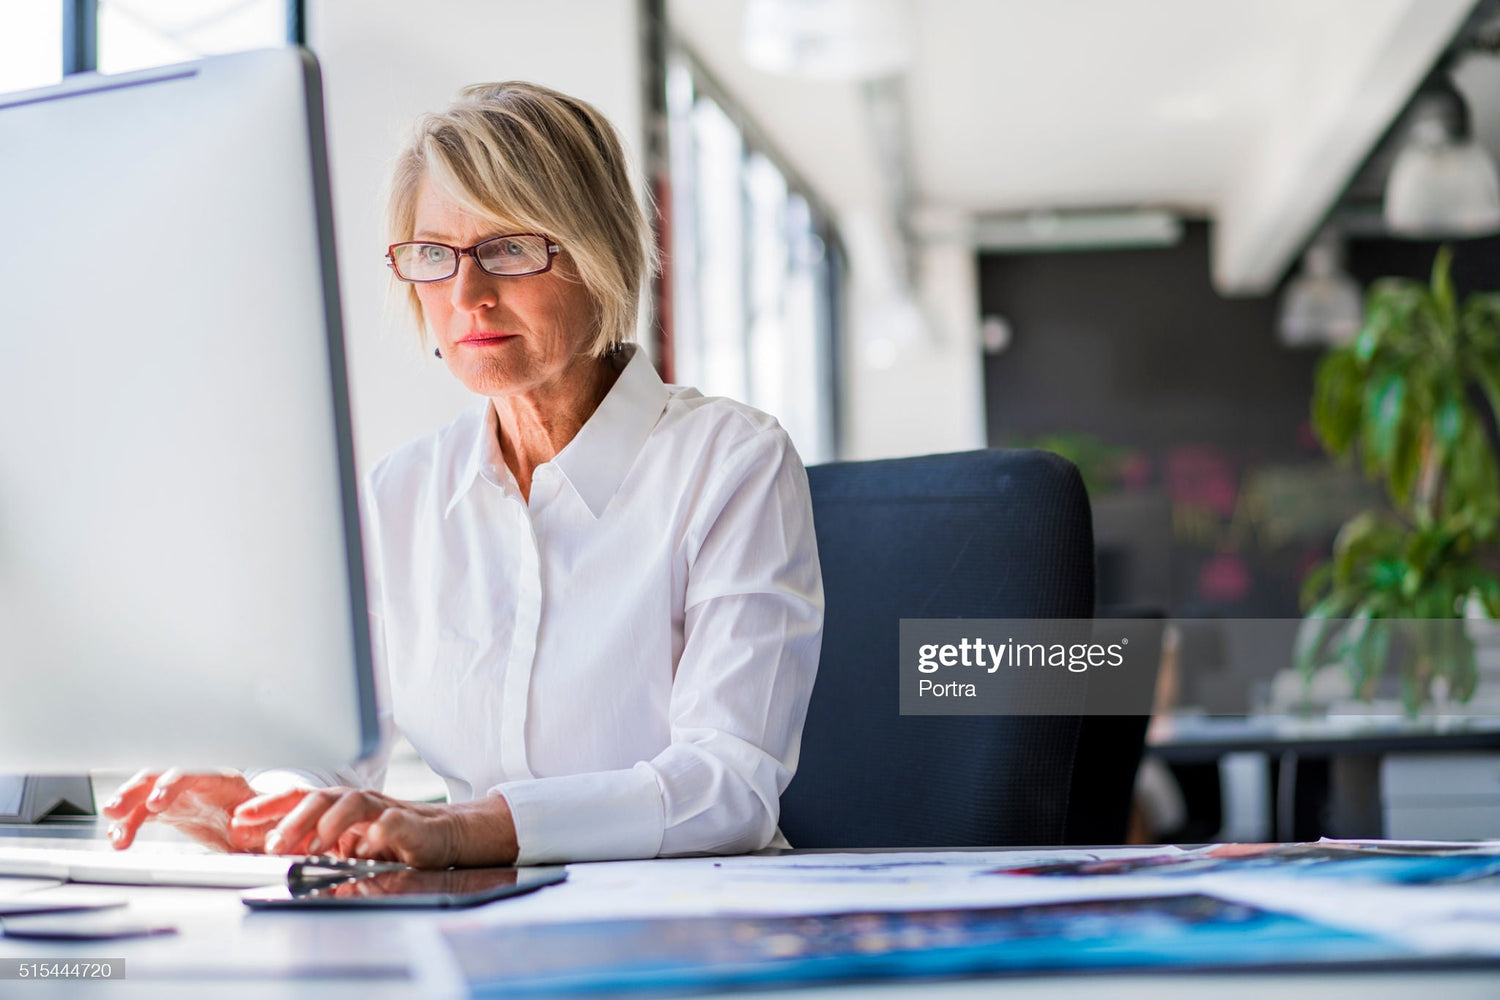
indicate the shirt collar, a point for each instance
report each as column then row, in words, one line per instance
column 596, row 461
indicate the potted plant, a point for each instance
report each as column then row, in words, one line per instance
column 1412, row 396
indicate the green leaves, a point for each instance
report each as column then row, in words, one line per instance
column 1413, row 395
column 1444, row 300
column 1393, row 598
column 1384, row 396
column 1337, row 403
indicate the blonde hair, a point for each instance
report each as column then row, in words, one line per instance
column 522, row 155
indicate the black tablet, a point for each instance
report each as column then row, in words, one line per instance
column 409, row 889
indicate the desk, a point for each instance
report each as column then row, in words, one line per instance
column 1193, row 738
column 226, row 951
column 1364, row 753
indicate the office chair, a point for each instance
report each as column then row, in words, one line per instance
column 983, row 534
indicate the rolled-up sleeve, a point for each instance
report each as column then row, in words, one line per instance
column 752, row 632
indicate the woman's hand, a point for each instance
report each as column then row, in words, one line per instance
column 352, row 823
column 201, row 805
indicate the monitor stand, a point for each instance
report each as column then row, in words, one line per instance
column 31, row 798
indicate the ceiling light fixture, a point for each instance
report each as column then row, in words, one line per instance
column 1322, row 304
column 828, row 39
column 1102, row 229
column 1442, row 183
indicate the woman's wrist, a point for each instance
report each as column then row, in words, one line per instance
column 485, row 833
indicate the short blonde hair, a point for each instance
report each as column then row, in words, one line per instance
column 526, row 156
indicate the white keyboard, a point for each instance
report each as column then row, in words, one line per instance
column 145, row 865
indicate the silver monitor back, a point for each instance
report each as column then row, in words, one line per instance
column 181, row 580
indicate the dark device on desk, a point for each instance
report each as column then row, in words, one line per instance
column 402, row 888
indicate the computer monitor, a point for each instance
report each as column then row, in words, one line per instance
column 181, row 579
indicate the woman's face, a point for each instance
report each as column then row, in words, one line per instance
column 501, row 336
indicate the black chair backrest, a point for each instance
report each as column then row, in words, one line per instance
column 985, row 534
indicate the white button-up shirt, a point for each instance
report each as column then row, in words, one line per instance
column 627, row 656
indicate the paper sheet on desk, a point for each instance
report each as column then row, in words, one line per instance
column 1439, row 920
column 1435, row 896
column 1450, row 912
column 1183, row 930
column 803, row 884
column 700, row 914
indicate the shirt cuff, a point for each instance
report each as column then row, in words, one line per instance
column 602, row 816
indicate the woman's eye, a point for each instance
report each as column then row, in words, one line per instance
column 513, row 248
column 434, row 254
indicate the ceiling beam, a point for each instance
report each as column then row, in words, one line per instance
column 1319, row 139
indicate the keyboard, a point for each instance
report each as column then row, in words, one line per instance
column 146, row 864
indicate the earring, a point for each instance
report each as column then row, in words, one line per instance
column 437, row 352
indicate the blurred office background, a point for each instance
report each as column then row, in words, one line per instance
column 909, row 227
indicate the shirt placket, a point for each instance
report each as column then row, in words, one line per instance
column 522, row 659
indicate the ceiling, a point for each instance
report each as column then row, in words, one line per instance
column 1254, row 115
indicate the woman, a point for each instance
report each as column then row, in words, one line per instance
column 595, row 599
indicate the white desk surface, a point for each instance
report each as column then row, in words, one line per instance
column 226, row 951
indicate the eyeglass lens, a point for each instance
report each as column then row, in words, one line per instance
column 501, row 256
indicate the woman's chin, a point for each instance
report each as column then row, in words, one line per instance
column 489, row 377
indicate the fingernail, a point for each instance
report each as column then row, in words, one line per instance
column 116, row 831
column 314, row 845
column 273, row 843
column 114, row 803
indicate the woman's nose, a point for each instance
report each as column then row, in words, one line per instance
column 472, row 288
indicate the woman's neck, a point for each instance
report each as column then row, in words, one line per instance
column 535, row 426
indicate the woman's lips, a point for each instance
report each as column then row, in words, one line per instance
column 481, row 339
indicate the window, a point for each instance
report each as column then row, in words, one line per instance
column 754, row 270
column 31, row 44
column 135, row 34
column 41, row 40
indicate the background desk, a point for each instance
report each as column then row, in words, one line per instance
column 225, row 950
column 1345, row 776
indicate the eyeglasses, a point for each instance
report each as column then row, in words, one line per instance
column 512, row 256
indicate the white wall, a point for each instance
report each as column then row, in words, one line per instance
column 913, row 373
column 386, row 61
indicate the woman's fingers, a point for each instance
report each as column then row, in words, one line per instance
column 253, row 820
column 349, row 840
column 248, row 837
column 169, row 785
column 297, row 832
column 128, row 808
column 130, row 795
column 271, row 807
column 407, row 836
column 198, row 804
column 352, row 808
column 122, row 831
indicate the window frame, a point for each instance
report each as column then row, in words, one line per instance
column 81, row 32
